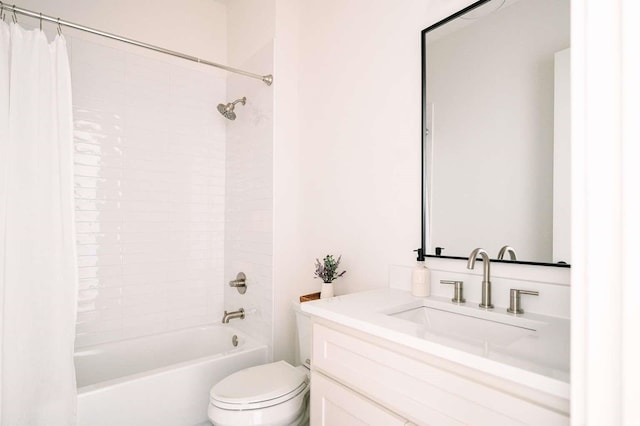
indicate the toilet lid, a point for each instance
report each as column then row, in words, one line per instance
column 258, row 384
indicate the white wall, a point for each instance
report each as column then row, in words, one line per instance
column 251, row 25
column 289, row 273
column 347, row 143
column 360, row 136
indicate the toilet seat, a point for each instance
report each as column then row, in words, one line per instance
column 259, row 387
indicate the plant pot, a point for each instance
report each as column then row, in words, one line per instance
column 326, row 291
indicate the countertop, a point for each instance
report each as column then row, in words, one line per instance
column 534, row 353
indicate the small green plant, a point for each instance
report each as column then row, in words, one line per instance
column 327, row 271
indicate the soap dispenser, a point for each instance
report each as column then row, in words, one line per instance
column 420, row 277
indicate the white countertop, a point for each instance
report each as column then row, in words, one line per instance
column 533, row 350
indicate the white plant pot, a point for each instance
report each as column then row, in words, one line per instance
column 326, row 291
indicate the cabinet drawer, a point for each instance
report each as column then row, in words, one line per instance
column 333, row 404
column 419, row 391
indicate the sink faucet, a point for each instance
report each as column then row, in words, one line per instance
column 507, row 249
column 232, row 315
column 486, row 272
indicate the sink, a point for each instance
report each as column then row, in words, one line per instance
column 468, row 326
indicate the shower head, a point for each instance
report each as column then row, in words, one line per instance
column 227, row 110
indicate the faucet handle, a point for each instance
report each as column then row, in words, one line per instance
column 514, row 300
column 240, row 283
column 457, row 290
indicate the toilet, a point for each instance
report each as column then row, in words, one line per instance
column 275, row 394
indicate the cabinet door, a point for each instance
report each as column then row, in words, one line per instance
column 420, row 391
column 333, row 404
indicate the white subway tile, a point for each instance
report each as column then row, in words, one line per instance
column 137, row 327
column 99, row 304
column 97, row 238
column 99, row 326
column 100, row 292
column 155, row 277
column 102, row 260
column 89, row 339
column 150, row 194
column 97, row 160
column 99, row 272
column 98, row 227
column 98, row 216
column 93, row 171
column 100, row 315
column 191, row 321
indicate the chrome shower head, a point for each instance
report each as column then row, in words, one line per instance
column 227, row 110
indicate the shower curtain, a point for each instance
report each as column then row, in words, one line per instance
column 38, row 274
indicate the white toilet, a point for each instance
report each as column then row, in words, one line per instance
column 275, row 394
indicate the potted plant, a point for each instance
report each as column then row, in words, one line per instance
column 327, row 271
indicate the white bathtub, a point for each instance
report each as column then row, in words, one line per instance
column 159, row 380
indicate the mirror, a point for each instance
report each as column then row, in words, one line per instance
column 496, row 140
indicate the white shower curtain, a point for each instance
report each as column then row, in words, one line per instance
column 38, row 274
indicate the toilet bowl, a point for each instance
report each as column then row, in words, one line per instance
column 271, row 394
column 275, row 394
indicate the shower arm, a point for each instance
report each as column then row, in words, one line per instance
column 267, row 79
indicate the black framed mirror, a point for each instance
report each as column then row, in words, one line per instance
column 496, row 132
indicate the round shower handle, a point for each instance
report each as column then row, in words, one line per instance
column 240, row 283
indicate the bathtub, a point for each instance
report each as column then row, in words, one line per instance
column 159, row 380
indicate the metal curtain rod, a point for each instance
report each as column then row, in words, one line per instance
column 267, row 79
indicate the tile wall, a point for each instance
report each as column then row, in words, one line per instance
column 249, row 199
column 149, row 193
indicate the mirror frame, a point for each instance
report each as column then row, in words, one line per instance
column 422, row 251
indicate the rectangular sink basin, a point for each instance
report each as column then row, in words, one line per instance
column 468, row 328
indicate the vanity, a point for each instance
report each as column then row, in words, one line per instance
column 384, row 357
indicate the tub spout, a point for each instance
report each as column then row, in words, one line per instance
column 232, row 315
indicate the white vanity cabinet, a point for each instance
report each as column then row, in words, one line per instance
column 333, row 404
column 358, row 378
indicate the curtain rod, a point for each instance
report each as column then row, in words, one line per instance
column 267, row 79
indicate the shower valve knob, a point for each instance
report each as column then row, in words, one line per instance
column 240, row 283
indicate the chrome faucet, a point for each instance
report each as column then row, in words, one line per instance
column 232, row 315
column 507, row 249
column 486, row 272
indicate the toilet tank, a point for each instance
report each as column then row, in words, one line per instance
column 303, row 326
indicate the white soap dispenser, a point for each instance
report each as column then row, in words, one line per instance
column 420, row 277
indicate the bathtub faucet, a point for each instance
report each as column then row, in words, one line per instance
column 232, row 315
